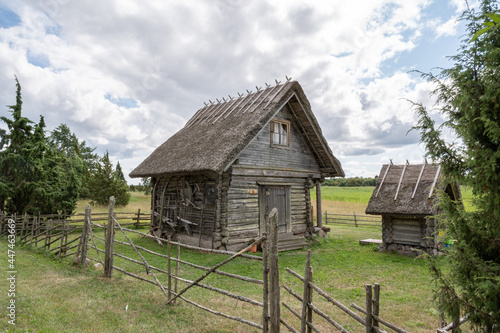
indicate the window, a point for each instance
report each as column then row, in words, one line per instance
column 280, row 133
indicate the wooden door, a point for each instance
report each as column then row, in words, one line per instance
column 275, row 196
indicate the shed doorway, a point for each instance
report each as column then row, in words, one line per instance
column 278, row 196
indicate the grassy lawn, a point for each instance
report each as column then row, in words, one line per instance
column 55, row 296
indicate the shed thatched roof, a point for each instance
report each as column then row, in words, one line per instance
column 408, row 190
column 214, row 137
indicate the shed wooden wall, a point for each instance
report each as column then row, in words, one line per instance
column 203, row 213
column 297, row 157
column 259, row 163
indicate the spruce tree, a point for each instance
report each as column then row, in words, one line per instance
column 34, row 177
column 105, row 183
column 468, row 96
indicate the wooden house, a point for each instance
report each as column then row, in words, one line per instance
column 404, row 196
column 215, row 180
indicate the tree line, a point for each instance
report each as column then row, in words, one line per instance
column 44, row 173
column 351, row 182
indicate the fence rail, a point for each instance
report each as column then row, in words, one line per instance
column 60, row 235
column 354, row 219
column 167, row 279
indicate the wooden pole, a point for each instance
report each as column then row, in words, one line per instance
column 138, row 218
column 355, row 220
column 274, row 283
column 109, row 244
column 265, row 289
column 369, row 304
column 309, row 319
column 85, row 236
column 177, row 269
column 306, row 293
column 169, row 267
column 319, row 217
column 376, row 303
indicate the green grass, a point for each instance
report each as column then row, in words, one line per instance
column 55, row 296
column 360, row 194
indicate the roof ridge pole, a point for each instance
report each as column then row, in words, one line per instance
column 227, row 108
column 435, row 181
column 214, row 111
column 401, row 180
column 256, row 97
column 264, row 98
column 276, row 94
column 196, row 115
column 383, row 178
column 237, row 105
column 202, row 114
column 418, row 180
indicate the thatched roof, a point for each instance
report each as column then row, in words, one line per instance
column 408, row 190
column 218, row 133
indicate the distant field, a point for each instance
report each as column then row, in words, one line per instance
column 347, row 200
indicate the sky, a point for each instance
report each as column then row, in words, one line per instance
column 126, row 75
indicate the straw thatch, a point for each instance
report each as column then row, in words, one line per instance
column 408, row 190
column 213, row 139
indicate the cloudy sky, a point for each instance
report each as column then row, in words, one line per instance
column 125, row 75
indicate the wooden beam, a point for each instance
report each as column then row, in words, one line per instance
column 400, row 180
column 383, row 178
column 319, row 211
column 435, row 181
column 418, row 180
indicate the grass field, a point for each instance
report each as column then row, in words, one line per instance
column 55, row 296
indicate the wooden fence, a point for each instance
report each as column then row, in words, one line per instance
column 105, row 247
column 354, row 219
column 59, row 235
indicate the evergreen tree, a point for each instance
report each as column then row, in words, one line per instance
column 34, row 178
column 14, row 190
column 83, row 159
column 119, row 173
column 104, row 184
column 468, row 96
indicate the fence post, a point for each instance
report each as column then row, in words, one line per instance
column 369, row 304
column 306, row 293
column 355, row 221
column 169, row 266
column 85, row 236
column 138, row 218
column 178, row 256
column 109, row 243
column 265, row 288
column 376, row 303
column 274, row 278
column 326, row 217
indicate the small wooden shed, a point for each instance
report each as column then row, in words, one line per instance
column 215, row 180
column 404, row 196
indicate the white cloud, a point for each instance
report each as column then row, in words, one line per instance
column 169, row 56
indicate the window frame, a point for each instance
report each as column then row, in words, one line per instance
column 286, row 124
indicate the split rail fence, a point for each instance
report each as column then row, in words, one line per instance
column 354, row 219
column 59, row 235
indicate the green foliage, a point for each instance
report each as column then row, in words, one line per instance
column 351, row 182
column 468, row 97
column 34, row 177
column 105, row 183
column 83, row 159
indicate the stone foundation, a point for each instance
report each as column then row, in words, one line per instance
column 407, row 250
